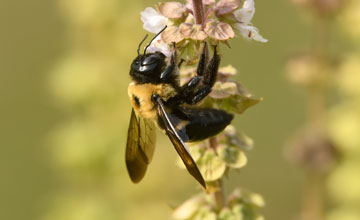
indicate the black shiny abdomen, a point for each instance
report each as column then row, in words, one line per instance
column 200, row 123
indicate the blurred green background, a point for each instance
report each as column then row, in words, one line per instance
column 36, row 36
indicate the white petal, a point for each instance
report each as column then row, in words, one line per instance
column 153, row 21
column 250, row 32
column 246, row 13
column 159, row 46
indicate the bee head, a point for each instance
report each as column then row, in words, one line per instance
column 149, row 64
column 146, row 68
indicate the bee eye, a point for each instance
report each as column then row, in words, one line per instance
column 149, row 60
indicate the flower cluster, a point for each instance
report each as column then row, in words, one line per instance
column 221, row 19
column 226, row 151
column 216, row 157
column 242, row 205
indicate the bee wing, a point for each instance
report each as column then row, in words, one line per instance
column 179, row 144
column 140, row 146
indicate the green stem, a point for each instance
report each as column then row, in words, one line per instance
column 219, row 194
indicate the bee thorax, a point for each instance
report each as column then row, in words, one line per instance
column 140, row 97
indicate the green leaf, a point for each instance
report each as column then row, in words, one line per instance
column 188, row 208
column 211, row 166
column 241, row 196
column 227, row 214
column 234, row 157
column 205, row 213
column 237, row 211
column 236, row 103
column 238, row 139
column 231, row 97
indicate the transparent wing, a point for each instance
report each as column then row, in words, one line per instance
column 140, row 146
column 179, row 144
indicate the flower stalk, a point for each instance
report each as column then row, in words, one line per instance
column 219, row 194
column 199, row 13
column 313, row 148
column 189, row 26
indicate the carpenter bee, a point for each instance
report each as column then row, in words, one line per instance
column 158, row 100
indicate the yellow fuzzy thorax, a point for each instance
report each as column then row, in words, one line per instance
column 144, row 92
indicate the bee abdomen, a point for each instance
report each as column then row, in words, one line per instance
column 205, row 123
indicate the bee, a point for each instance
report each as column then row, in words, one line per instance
column 159, row 101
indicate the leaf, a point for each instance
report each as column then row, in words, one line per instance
column 236, row 103
column 237, row 211
column 211, row 166
column 233, row 156
column 227, row 214
column 238, row 139
column 241, row 196
column 205, row 213
column 188, row 208
column 172, row 10
column 219, row 30
column 224, row 89
column 232, row 97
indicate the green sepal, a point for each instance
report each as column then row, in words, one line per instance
column 211, row 166
column 231, row 97
column 233, row 156
column 188, row 209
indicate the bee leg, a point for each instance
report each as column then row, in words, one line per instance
column 199, row 95
column 168, row 72
column 208, row 81
column 202, row 62
column 190, row 86
column 212, row 69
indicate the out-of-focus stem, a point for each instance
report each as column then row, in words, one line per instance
column 199, row 14
column 219, row 194
column 313, row 203
column 313, row 200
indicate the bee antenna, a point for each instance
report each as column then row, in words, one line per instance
column 138, row 50
column 154, row 38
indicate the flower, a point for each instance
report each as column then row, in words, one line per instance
column 158, row 45
column 243, row 18
column 153, row 21
column 221, row 19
